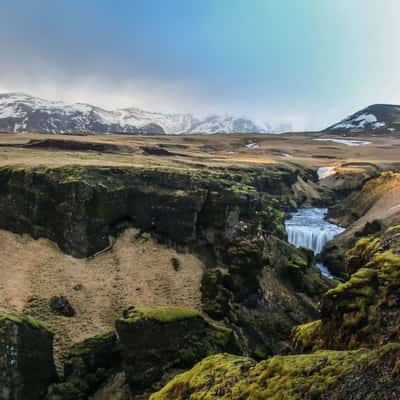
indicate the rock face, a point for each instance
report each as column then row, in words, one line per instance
column 26, row 358
column 86, row 367
column 88, row 203
column 156, row 340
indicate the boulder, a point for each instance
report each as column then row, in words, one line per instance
column 61, row 305
column 26, row 358
column 156, row 340
column 87, row 366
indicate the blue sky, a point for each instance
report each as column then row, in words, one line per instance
column 304, row 62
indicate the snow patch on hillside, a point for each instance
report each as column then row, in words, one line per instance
column 361, row 121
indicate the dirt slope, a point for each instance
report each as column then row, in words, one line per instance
column 135, row 271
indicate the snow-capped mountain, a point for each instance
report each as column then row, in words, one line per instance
column 21, row 112
column 376, row 118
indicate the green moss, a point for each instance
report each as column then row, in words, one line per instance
column 362, row 311
column 19, row 319
column 360, row 283
column 242, row 189
column 306, row 336
column 93, row 343
column 298, row 377
column 160, row 314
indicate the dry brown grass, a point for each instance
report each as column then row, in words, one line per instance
column 207, row 150
column 136, row 271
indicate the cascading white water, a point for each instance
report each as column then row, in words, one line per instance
column 308, row 228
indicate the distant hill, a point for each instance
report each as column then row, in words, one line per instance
column 21, row 112
column 377, row 118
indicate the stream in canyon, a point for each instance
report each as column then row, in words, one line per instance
column 307, row 227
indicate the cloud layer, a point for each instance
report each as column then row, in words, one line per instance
column 274, row 61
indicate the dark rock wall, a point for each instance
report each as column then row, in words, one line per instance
column 26, row 359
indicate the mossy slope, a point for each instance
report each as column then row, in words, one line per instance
column 365, row 310
column 300, row 377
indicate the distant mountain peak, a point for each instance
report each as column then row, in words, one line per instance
column 374, row 118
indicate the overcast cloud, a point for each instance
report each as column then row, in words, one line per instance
column 307, row 62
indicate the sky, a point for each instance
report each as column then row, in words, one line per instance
column 307, row 63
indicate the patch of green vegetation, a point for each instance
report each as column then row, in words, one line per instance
column 298, row 377
column 242, row 189
column 306, row 336
column 93, row 343
column 361, row 311
column 160, row 314
column 19, row 319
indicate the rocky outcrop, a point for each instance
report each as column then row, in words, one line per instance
column 26, row 358
column 325, row 375
column 86, row 367
column 365, row 310
column 156, row 340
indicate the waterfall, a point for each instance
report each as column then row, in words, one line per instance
column 308, row 228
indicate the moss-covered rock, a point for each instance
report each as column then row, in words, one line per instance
column 87, row 366
column 156, row 340
column 364, row 310
column 307, row 337
column 26, row 358
column 299, row 377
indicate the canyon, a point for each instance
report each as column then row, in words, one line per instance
column 186, row 259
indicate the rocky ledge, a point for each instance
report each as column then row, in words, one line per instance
column 157, row 340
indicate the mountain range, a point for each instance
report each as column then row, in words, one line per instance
column 24, row 113
column 21, row 112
